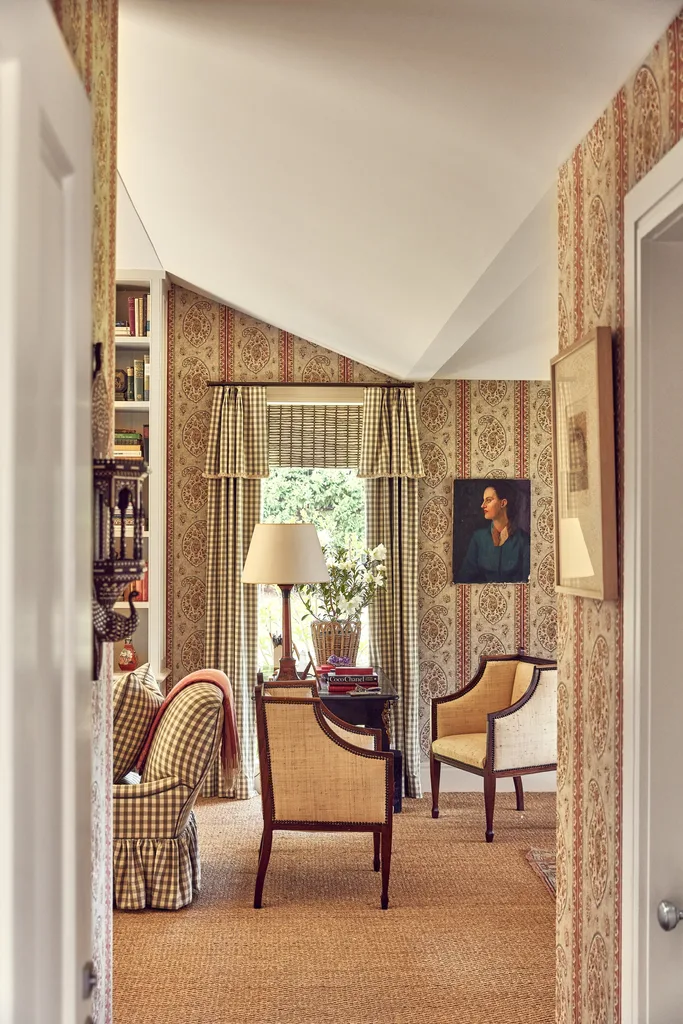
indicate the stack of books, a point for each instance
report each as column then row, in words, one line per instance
column 137, row 325
column 344, row 678
column 128, row 444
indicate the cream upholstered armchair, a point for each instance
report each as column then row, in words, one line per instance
column 503, row 723
column 319, row 773
column 156, row 852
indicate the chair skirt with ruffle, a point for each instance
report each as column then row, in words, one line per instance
column 160, row 873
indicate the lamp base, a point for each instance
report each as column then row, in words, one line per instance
column 287, row 671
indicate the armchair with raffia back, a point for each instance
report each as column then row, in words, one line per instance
column 502, row 724
column 318, row 773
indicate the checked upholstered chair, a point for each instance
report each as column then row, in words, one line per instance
column 156, row 852
column 318, row 773
column 503, row 723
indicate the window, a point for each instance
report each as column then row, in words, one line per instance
column 334, row 501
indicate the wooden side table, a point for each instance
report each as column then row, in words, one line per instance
column 372, row 710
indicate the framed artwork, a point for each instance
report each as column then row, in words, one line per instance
column 584, row 477
column 491, row 531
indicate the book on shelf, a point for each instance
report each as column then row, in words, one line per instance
column 139, row 381
column 146, row 377
column 138, row 316
column 145, row 441
column 120, row 385
column 122, row 328
column 130, row 378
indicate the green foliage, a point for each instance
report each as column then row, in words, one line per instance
column 331, row 499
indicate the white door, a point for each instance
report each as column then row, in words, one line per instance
column 652, row 970
column 45, row 500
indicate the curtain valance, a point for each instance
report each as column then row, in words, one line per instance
column 390, row 446
column 238, row 434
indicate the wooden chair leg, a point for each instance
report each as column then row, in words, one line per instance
column 435, row 774
column 489, row 802
column 375, row 861
column 264, row 857
column 519, row 791
column 386, row 867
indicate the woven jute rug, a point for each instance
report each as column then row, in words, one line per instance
column 543, row 863
column 469, row 936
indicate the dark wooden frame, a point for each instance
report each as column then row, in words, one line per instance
column 382, row 832
column 601, row 339
column 488, row 772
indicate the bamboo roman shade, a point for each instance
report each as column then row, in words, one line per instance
column 314, row 436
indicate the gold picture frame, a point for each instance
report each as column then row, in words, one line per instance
column 584, row 478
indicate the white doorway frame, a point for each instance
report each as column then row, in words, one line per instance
column 651, row 206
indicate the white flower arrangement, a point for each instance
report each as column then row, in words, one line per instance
column 355, row 574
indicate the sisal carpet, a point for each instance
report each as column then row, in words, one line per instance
column 469, row 936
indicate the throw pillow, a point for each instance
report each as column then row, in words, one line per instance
column 137, row 698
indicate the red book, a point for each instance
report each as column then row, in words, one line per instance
column 131, row 314
column 354, row 670
column 341, row 687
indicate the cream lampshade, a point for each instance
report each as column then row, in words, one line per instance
column 285, row 554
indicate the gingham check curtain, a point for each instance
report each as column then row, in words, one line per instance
column 390, row 445
column 236, row 460
column 391, row 460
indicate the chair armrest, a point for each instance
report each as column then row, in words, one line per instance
column 151, row 810
column 143, row 790
column 525, row 735
column 451, row 713
column 368, row 739
column 466, row 710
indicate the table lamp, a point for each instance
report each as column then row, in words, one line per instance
column 285, row 554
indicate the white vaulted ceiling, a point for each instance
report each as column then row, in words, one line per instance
column 376, row 176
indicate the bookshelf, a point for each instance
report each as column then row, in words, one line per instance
column 133, row 415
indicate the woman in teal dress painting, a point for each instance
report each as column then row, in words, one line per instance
column 500, row 551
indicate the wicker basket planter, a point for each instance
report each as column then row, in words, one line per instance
column 340, row 638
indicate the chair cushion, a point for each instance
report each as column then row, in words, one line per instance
column 525, row 671
column 469, row 747
column 137, row 698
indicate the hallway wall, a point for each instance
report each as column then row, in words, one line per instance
column 90, row 30
column 643, row 121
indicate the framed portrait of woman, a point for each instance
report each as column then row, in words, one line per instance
column 584, row 477
column 491, row 531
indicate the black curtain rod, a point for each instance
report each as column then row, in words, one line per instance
column 304, row 384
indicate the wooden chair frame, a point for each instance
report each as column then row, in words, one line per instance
column 382, row 834
column 488, row 772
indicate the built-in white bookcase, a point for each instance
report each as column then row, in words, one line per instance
column 149, row 638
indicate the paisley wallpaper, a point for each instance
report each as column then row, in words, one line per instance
column 90, row 29
column 467, row 428
column 643, row 121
